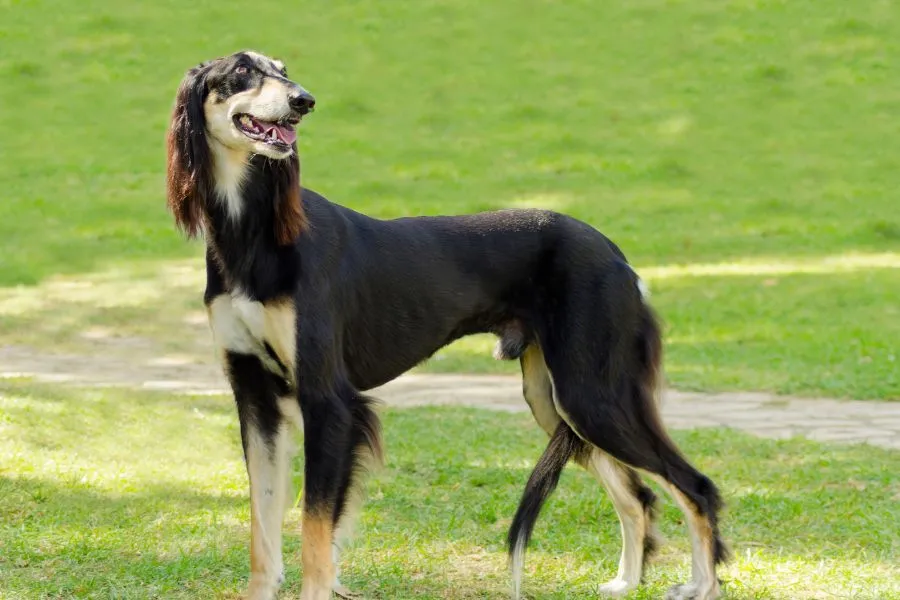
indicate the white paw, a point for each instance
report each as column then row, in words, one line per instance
column 341, row 591
column 616, row 588
column 263, row 588
column 693, row 591
column 311, row 592
column 682, row 591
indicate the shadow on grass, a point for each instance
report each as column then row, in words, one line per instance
column 67, row 539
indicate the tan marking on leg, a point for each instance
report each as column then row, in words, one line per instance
column 633, row 521
column 704, row 584
column 269, row 471
column 318, row 565
column 537, row 387
column 540, row 392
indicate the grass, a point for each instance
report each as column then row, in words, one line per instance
column 122, row 494
column 756, row 134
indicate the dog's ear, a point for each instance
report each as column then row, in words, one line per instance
column 290, row 218
column 188, row 163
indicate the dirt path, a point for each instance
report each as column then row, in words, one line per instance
column 877, row 423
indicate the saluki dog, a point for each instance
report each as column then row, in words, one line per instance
column 311, row 304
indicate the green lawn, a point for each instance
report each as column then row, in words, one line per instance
column 120, row 494
column 749, row 142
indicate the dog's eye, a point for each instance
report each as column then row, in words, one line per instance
column 241, row 70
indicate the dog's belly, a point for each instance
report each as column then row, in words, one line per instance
column 265, row 330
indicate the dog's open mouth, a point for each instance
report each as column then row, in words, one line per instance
column 278, row 133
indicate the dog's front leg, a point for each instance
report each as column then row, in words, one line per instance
column 328, row 444
column 269, row 468
column 268, row 448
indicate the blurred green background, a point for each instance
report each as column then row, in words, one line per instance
column 742, row 153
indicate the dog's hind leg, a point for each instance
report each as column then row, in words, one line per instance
column 632, row 439
column 606, row 392
column 633, row 501
column 266, row 424
column 537, row 387
column 708, row 548
column 635, row 505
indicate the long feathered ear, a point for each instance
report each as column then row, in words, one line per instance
column 188, row 163
column 290, row 218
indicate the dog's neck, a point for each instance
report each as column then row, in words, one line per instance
column 241, row 231
column 230, row 170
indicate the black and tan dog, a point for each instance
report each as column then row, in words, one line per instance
column 312, row 303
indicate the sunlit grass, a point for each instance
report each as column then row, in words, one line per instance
column 825, row 265
column 110, row 493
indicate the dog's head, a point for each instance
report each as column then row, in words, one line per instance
column 244, row 103
column 250, row 104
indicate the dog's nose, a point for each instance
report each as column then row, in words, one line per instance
column 302, row 101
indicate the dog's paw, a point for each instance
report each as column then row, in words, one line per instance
column 341, row 591
column 316, row 593
column 616, row 588
column 262, row 589
column 692, row 591
column 682, row 591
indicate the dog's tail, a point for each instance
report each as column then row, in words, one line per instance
column 563, row 446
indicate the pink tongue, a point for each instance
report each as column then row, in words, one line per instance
column 286, row 134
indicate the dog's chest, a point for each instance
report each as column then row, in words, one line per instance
column 265, row 330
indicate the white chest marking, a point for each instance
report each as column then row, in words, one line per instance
column 245, row 326
column 230, row 171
